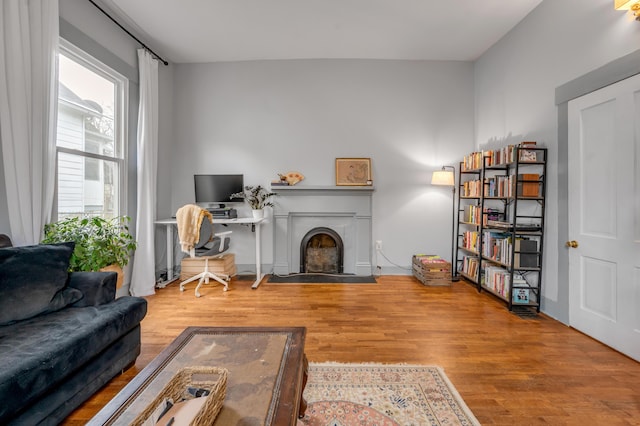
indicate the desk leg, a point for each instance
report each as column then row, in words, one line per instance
column 169, row 252
column 259, row 274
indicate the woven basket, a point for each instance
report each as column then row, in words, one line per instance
column 176, row 389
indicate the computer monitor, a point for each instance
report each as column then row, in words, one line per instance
column 217, row 189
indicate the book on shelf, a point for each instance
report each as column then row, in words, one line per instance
column 471, row 214
column 499, row 186
column 497, row 279
column 497, row 246
column 498, row 157
column 470, row 240
column 527, row 155
column 521, row 295
column 470, row 266
column 502, row 224
column 506, row 225
column 525, row 253
column 471, row 188
column 472, row 161
column 529, row 185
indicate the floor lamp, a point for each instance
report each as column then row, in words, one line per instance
column 446, row 177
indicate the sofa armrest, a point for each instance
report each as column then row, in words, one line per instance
column 97, row 287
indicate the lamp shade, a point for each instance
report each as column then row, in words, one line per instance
column 624, row 4
column 442, row 177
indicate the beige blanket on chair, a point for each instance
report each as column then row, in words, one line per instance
column 189, row 219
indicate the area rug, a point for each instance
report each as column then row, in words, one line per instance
column 321, row 279
column 383, row 395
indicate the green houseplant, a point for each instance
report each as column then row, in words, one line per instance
column 99, row 242
column 257, row 197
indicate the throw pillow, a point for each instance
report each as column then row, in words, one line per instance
column 31, row 278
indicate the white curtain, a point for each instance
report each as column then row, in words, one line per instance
column 28, row 97
column 143, row 274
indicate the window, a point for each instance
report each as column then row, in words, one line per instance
column 90, row 139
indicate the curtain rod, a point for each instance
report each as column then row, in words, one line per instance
column 130, row 35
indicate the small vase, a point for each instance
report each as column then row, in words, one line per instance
column 258, row 213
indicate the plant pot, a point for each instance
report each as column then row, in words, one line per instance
column 258, row 213
column 116, row 269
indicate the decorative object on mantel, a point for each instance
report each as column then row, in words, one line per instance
column 257, row 197
column 353, row 172
column 288, row 179
column 282, row 181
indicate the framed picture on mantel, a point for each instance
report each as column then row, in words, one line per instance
column 353, row 172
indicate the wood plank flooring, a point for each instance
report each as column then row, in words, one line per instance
column 509, row 370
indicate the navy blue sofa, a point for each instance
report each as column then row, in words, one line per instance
column 62, row 335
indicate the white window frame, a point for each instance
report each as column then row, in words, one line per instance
column 121, row 123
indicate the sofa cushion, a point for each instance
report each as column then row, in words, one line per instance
column 31, row 278
column 38, row 354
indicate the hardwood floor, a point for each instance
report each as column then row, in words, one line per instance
column 509, row 370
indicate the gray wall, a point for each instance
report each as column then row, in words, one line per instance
column 515, row 83
column 261, row 118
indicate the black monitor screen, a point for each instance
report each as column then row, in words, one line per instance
column 217, row 188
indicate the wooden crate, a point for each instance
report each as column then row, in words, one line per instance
column 223, row 265
column 431, row 270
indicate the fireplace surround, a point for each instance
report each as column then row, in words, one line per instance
column 343, row 212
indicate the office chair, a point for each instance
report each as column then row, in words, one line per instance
column 195, row 229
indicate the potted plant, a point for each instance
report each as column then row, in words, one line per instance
column 101, row 244
column 257, row 197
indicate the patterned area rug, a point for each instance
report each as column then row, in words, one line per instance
column 383, row 395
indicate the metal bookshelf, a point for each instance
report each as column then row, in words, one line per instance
column 500, row 224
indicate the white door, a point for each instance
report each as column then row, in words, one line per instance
column 604, row 215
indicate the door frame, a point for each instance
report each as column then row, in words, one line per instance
column 613, row 72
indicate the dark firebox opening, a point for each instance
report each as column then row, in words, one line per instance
column 321, row 251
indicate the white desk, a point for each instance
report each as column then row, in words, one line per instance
column 170, row 224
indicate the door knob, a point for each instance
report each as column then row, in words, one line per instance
column 572, row 244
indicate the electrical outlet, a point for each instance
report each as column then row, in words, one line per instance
column 378, row 245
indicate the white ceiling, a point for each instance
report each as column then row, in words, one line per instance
column 237, row 30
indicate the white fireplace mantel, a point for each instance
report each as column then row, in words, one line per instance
column 345, row 209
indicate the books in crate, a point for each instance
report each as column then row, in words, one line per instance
column 431, row 269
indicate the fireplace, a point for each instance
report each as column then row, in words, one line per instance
column 321, row 250
column 342, row 213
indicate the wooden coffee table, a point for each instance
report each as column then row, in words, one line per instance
column 267, row 374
